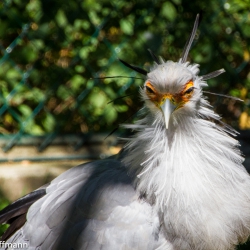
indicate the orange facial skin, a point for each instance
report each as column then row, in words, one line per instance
column 178, row 99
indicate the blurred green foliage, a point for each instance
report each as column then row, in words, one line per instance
column 51, row 50
column 3, row 203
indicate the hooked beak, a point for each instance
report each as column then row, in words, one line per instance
column 167, row 108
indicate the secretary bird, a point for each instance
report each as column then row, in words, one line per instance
column 178, row 184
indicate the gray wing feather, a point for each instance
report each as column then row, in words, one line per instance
column 91, row 207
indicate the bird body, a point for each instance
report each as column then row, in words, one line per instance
column 192, row 171
column 92, row 206
column 178, row 184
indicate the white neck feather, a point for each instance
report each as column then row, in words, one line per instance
column 193, row 174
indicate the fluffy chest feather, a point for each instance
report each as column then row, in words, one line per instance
column 193, row 175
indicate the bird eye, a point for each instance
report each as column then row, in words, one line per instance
column 188, row 91
column 149, row 90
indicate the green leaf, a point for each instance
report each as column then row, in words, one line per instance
column 49, row 122
column 76, row 82
column 126, row 27
column 61, row 18
column 168, row 11
column 25, row 110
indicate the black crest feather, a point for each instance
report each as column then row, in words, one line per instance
column 135, row 68
column 155, row 58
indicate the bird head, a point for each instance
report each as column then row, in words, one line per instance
column 173, row 88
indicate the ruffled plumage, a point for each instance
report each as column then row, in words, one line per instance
column 179, row 183
column 192, row 172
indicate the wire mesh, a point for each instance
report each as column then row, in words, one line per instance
column 51, row 53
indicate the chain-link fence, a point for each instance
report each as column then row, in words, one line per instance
column 52, row 54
